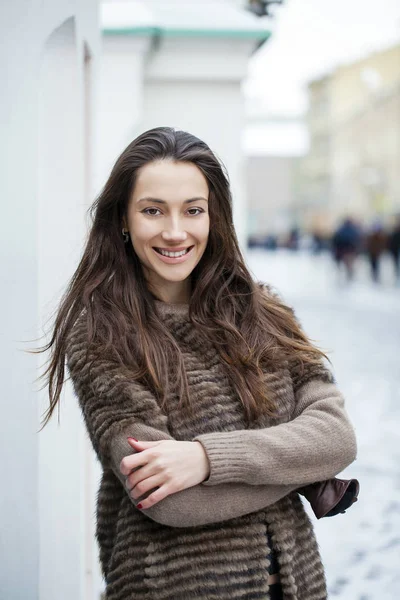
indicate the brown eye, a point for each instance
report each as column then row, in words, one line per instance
column 147, row 213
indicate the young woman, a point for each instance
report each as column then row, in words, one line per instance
column 205, row 402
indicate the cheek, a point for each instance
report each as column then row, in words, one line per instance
column 143, row 229
column 202, row 230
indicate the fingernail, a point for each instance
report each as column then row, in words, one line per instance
column 132, row 438
column 139, row 505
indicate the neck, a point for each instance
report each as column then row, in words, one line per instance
column 173, row 292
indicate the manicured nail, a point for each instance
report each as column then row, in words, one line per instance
column 131, row 438
column 139, row 505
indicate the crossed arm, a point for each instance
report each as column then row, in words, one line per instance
column 114, row 408
column 317, row 444
column 274, row 461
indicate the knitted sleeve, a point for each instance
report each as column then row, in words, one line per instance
column 115, row 407
column 317, row 444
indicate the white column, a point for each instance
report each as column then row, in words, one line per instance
column 60, row 227
column 120, row 101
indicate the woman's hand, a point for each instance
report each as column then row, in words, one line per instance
column 169, row 465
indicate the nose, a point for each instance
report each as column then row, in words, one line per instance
column 174, row 232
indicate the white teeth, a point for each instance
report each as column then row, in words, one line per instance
column 172, row 254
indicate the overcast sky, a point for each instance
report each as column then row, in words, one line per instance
column 310, row 38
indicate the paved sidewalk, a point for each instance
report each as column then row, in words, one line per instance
column 360, row 325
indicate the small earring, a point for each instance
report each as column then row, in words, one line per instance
column 125, row 235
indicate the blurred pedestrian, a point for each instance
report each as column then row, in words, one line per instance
column 317, row 242
column 346, row 242
column 293, row 239
column 394, row 246
column 375, row 245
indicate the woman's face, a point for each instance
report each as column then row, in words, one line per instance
column 168, row 212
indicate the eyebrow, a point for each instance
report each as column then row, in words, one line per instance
column 158, row 201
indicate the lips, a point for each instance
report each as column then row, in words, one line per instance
column 173, row 249
column 187, row 248
column 175, row 260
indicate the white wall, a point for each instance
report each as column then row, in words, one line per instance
column 44, row 184
column 120, row 101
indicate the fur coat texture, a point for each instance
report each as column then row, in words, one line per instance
column 212, row 541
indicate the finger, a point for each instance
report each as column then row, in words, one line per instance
column 140, row 474
column 134, row 442
column 132, row 461
column 145, row 486
column 143, row 444
column 158, row 495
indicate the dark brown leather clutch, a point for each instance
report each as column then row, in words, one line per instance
column 331, row 497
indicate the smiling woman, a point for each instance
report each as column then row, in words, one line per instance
column 205, row 402
column 168, row 222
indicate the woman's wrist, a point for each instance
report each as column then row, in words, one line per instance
column 204, row 462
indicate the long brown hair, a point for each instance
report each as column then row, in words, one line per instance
column 249, row 327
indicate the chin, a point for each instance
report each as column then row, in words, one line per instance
column 176, row 279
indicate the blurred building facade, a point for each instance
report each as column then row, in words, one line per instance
column 354, row 156
column 270, row 189
column 274, row 147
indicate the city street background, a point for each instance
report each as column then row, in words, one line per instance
column 359, row 324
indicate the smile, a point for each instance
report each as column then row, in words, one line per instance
column 172, row 257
